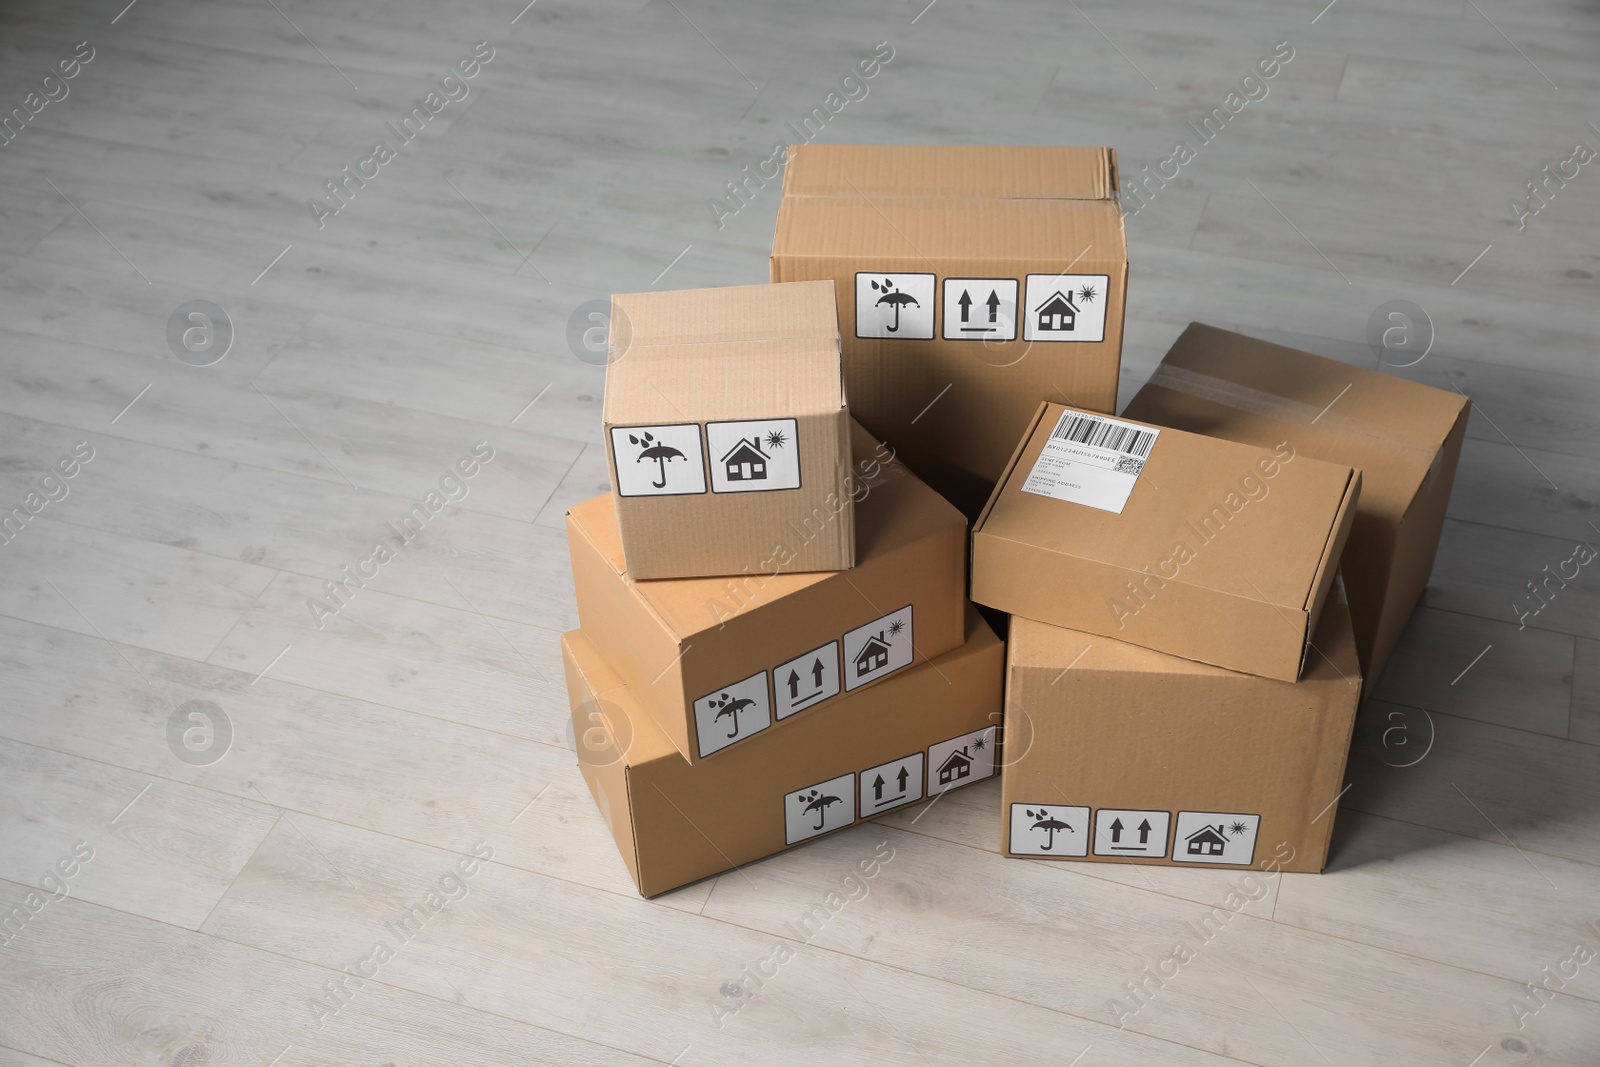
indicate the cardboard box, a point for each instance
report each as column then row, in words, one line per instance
column 1206, row 549
column 1119, row 754
column 1405, row 438
column 972, row 284
column 717, row 661
column 725, row 421
column 918, row 734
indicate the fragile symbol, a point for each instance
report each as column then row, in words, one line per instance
column 818, row 802
column 658, row 452
column 1043, row 820
column 895, row 299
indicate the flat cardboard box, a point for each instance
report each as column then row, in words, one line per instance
column 1405, row 438
column 1202, row 548
column 717, row 661
column 932, row 249
column 1119, row 754
column 725, row 421
column 881, row 749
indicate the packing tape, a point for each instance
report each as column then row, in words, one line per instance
column 1280, row 408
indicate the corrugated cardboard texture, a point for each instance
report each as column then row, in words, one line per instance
column 675, row 824
column 744, row 353
column 1245, row 600
column 676, row 641
column 966, row 213
column 1405, row 438
column 1133, row 729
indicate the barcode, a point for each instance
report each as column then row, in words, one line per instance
column 1086, row 430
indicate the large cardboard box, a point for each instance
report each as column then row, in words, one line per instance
column 1405, row 438
column 718, row 661
column 915, row 736
column 972, row 284
column 725, row 422
column 1119, row 754
column 1203, row 548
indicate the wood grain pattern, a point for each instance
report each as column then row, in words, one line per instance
column 438, row 308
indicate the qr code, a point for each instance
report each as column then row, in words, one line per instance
column 1129, row 465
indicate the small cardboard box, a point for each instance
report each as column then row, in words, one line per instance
column 1120, row 754
column 717, row 661
column 725, row 422
column 1405, row 438
column 918, row 734
column 972, row 284
column 1206, row 549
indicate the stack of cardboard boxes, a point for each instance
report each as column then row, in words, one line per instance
column 775, row 636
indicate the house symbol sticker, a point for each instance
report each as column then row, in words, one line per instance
column 745, row 461
column 874, row 655
column 1058, row 314
column 1206, row 841
column 754, row 455
column 877, row 648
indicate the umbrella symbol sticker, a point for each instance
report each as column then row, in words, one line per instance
column 895, row 299
column 650, row 449
column 1044, row 821
column 818, row 801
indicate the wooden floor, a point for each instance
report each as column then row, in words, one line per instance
column 335, row 768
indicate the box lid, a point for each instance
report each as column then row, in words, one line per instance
column 1275, row 540
column 920, row 202
column 1215, row 381
column 740, row 351
column 893, row 507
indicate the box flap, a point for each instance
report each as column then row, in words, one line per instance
column 749, row 351
column 1217, row 381
column 950, row 171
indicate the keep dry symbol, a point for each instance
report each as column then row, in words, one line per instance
column 650, row 449
column 1044, row 821
column 895, row 299
column 727, row 705
column 818, row 801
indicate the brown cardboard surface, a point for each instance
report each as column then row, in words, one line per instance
column 740, row 392
column 683, row 642
column 1405, row 438
column 1096, row 725
column 1223, row 552
column 953, row 407
column 675, row 824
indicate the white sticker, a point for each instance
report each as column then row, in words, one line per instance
column 961, row 761
column 819, row 809
column 1049, row 830
column 732, row 714
column 754, row 456
column 894, row 305
column 658, row 460
column 1091, row 460
column 1215, row 837
column 806, row 680
column 880, row 647
column 980, row 309
column 1119, row 832
column 1066, row 307
column 891, row 785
